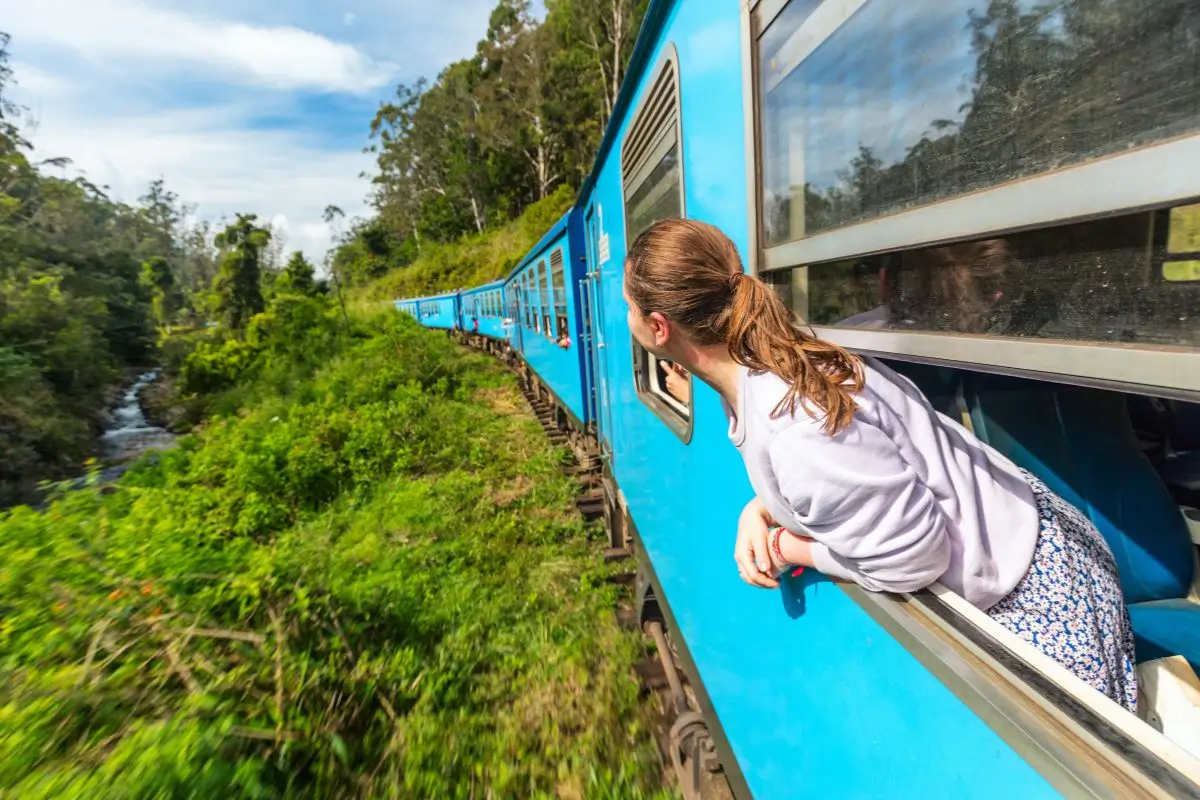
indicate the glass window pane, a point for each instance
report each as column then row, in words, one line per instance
column 911, row 102
column 1185, row 230
column 658, row 197
column 560, row 284
column 1110, row 280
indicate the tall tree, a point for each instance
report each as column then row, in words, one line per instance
column 239, row 283
column 158, row 279
column 333, row 217
column 297, row 276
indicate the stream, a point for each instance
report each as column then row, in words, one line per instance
column 128, row 434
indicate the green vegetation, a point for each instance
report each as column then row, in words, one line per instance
column 361, row 574
column 495, row 135
column 87, row 286
column 474, row 259
column 371, row 581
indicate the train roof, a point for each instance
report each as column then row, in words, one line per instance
column 483, row 287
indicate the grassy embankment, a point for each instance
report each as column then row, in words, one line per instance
column 473, row 260
column 364, row 577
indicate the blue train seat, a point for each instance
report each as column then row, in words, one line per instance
column 1082, row 444
column 938, row 384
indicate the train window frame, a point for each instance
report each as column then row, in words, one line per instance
column 546, row 296
column 655, row 129
column 526, row 300
column 1092, row 189
column 558, row 283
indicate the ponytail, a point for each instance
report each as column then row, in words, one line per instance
column 691, row 273
column 763, row 334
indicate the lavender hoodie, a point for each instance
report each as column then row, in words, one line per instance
column 902, row 497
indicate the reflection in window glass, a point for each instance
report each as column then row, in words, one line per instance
column 908, row 103
column 1182, row 262
column 1094, row 281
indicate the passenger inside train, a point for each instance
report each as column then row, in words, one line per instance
column 874, row 485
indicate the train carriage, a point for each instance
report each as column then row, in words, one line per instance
column 440, row 311
column 481, row 311
column 1000, row 200
column 547, row 313
column 409, row 307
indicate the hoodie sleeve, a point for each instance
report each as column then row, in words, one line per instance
column 872, row 519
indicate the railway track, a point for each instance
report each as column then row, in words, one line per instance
column 680, row 729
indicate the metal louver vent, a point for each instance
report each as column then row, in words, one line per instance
column 657, row 118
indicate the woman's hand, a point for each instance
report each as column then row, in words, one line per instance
column 752, row 552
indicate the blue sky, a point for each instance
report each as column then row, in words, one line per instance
column 259, row 106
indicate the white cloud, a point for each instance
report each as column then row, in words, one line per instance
column 281, row 57
column 134, row 90
column 207, row 159
column 35, row 82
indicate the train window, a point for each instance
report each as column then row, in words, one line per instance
column 1122, row 279
column 652, row 183
column 873, row 107
column 527, row 300
column 544, row 290
column 557, row 269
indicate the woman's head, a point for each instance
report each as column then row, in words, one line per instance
column 686, row 288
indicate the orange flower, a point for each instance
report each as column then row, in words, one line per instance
column 116, row 594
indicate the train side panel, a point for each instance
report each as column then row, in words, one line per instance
column 439, row 312
column 549, row 315
column 484, row 304
column 812, row 696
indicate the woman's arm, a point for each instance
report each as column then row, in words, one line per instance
column 871, row 518
column 752, row 553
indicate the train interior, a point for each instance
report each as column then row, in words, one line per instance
column 1129, row 460
column 1132, row 464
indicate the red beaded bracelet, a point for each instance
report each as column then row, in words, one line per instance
column 778, row 531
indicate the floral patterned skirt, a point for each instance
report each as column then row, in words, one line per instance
column 1069, row 605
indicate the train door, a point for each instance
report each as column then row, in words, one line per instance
column 583, row 291
column 597, row 254
column 516, row 331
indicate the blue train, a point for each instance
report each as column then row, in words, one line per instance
column 996, row 198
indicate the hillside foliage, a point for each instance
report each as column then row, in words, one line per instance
column 492, row 136
column 367, row 578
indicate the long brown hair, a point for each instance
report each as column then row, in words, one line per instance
column 690, row 272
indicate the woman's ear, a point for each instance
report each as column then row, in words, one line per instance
column 660, row 328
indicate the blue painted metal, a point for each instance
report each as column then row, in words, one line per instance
column 406, row 306
column 813, row 696
column 440, row 311
column 560, row 368
column 483, row 305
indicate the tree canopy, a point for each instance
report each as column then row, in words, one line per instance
column 493, row 133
